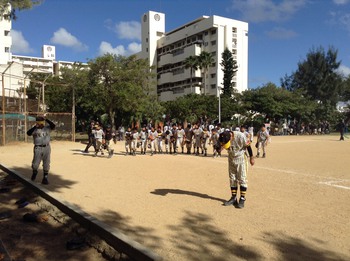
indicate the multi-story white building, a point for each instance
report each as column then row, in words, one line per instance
column 5, row 40
column 167, row 52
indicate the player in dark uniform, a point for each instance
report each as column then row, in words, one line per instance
column 42, row 149
column 111, row 138
column 92, row 141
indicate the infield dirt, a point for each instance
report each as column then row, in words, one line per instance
column 297, row 204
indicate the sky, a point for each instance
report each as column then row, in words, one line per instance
column 281, row 32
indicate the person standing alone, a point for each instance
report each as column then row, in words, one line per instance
column 42, row 149
column 236, row 143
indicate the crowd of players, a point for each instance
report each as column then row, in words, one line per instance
column 194, row 139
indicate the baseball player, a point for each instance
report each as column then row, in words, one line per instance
column 197, row 133
column 214, row 140
column 159, row 140
column 262, row 140
column 143, row 140
column 91, row 137
column 42, row 149
column 236, row 144
column 188, row 138
column 128, row 141
column 134, row 141
column 173, row 139
column 111, row 139
column 99, row 138
column 180, row 138
column 152, row 136
column 205, row 140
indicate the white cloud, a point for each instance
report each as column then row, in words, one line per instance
column 340, row 19
column 134, row 47
column 281, row 33
column 344, row 70
column 340, row 2
column 63, row 37
column 19, row 43
column 106, row 47
column 267, row 10
column 344, row 20
column 128, row 30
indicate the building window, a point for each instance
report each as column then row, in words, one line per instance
column 206, row 33
column 146, row 50
column 213, row 86
column 213, row 75
column 6, row 33
column 206, row 44
column 7, row 49
column 213, row 31
column 146, row 40
column 213, row 42
column 213, row 53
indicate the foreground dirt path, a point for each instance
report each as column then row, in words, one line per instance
column 297, row 202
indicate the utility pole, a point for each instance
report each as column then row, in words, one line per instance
column 3, row 105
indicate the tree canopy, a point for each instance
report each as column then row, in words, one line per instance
column 229, row 67
column 16, row 5
column 317, row 76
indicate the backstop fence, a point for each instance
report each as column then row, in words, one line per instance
column 15, row 121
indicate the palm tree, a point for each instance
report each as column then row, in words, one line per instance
column 192, row 63
column 205, row 61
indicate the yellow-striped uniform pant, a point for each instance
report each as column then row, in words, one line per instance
column 237, row 169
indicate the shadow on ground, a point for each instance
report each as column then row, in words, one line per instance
column 197, row 237
column 40, row 239
column 141, row 234
column 164, row 192
column 291, row 248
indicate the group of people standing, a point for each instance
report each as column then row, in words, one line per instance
column 101, row 139
column 194, row 139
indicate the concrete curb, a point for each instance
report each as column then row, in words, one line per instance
column 112, row 236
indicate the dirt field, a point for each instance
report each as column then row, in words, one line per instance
column 297, row 204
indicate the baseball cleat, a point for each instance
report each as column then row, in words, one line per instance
column 232, row 201
column 240, row 203
column 45, row 181
column 33, row 176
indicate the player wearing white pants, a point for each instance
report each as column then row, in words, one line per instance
column 42, row 149
column 262, row 140
column 236, row 143
column 143, row 140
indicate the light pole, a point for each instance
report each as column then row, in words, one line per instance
column 25, row 104
column 219, row 96
column 3, row 104
column 43, row 90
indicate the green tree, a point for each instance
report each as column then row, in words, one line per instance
column 183, row 109
column 277, row 103
column 192, row 63
column 16, row 5
column 69, row 92
column 317, row 76
column 345, row 90
column 229, row 67
column 120, row 84
column 205, row 60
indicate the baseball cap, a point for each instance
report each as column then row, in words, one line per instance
column 225, row 139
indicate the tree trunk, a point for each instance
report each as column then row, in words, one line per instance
column 112, row 118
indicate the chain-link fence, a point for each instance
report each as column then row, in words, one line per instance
column 15, row 122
